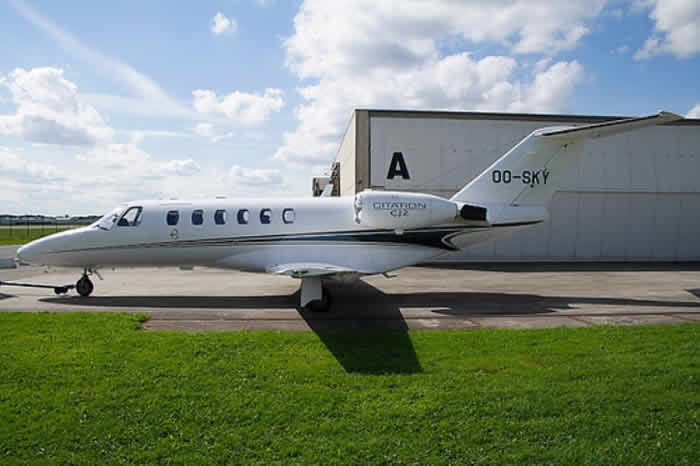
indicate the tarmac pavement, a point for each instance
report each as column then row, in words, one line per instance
column 425, row 298
column 7, row 254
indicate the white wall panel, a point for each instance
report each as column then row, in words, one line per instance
column 667, row 212
column 590, row 219
column 535, row 241
column 562, row 242
column 689, row 228
column 614, row 227
column 640, row 226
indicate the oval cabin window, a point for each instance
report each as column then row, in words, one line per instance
column 197, row 217
column 220, row 217
column 243, row 216
column 265, row 216
column 172, row 217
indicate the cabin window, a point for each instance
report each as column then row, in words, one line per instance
column 220, row 217
column 197, row 217
column 265, row 216
column 288, row 216
column 243, row 216
column 131, row 218
column 172, row 217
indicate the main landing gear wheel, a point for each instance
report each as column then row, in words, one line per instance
column 320, row 305
column 84, row 286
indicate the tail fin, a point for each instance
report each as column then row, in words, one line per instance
column 530, row 173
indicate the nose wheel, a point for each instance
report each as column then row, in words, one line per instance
column 84, row 286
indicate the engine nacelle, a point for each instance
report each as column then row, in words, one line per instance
column 402, row 211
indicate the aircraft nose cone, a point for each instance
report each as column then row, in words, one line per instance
column 33, row 252
column 19, row 254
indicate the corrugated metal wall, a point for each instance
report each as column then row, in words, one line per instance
column 635, row 196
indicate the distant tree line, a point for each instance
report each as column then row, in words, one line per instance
column 47, row 220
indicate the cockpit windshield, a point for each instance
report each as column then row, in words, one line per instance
column 109, row 220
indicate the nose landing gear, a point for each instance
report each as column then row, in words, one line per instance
column 84, row 286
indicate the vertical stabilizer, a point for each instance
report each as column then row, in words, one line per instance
column 530, row 173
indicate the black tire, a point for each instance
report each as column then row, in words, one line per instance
column 320, row 305
column 84, row 286
column 60, row 290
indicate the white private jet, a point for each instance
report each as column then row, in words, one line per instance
column 312, row 239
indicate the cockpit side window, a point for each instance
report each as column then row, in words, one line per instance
column 131, row 218
column 109, row 220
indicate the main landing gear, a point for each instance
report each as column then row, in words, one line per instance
column 84, row 286
column 314, row 297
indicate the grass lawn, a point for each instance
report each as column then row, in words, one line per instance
column 92, row 388
column 22, row 234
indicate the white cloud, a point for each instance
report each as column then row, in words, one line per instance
column 255, row 176
column 50, row 111
column 694, row 112
column 374, row 55
column 120, row 157
column 239, row 106
column 348, row 35
column 676, row 26
column 138, row 136
column 652, row 47
column 185, row 167
column 130, row 160
column 204, row 129
column 17, row 168
column 222, row 24
column 623, row 49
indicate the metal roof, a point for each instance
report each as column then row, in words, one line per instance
column 546, row 117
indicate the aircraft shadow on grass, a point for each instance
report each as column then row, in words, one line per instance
column 359, row 308
column 346, row 331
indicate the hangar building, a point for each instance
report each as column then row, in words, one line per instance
column 635, row 196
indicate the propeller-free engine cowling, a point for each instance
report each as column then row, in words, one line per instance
column 402, row 211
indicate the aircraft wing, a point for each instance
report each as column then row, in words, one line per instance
column 306, row 269
column 608, row 128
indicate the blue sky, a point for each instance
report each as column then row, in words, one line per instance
column 104, row 102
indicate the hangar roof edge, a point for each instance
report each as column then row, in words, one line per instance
column 549, row 117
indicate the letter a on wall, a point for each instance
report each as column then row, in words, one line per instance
column 398, row 167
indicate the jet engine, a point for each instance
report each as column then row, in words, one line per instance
column 402, row 211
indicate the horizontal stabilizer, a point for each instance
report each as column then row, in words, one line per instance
column 609, row 128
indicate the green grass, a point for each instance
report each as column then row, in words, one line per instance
column 22, row 234
column 93, row 388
